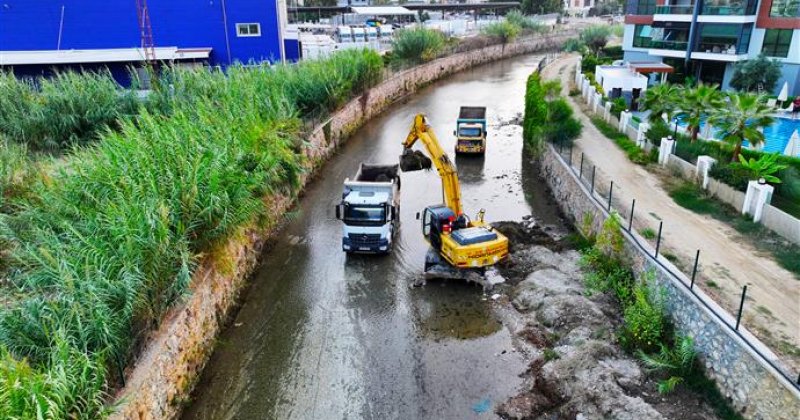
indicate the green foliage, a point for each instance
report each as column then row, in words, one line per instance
column 765, row 167
column 696, row 103
column 618, row 105
column 102, row 251
column 613, row 52
column 595, row 37
column 15, row 173
column 663, row 99
column 741, row 120
column 547, row 116
column 550, row 354
column 502, row 30
column 541, row 7
column 635, row 153
column 607, row 274
column 657, row 131
column 677, row 362
column 644, row 317
column 648, row 233
column 759, row 74
column 54, row 114
column 525, row 23
column 417, row 45
column 575, row 45
column 610, row 241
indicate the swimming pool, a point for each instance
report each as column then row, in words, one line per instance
column 776, row 136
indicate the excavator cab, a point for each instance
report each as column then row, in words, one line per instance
column 437, row 220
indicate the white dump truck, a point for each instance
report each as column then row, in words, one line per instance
column 370, row 209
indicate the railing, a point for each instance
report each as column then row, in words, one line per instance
column 728, row 10
column 685, row 9
column 719, row 48
column 669, row 45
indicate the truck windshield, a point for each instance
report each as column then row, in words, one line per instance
column 469, row 132
column 365, row 215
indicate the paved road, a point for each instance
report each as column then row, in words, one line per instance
column 773, row 304
column 323, row 335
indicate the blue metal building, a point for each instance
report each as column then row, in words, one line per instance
column 37, row 36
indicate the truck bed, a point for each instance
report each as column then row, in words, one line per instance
column 472, row 113
column 377, row 173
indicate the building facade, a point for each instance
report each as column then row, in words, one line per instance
column 38, row 35
column 706, row 37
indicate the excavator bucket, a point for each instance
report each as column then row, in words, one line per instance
column 414, row 161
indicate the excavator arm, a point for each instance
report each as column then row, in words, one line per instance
column 420, row 130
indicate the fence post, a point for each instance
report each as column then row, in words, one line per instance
column 694, row 271
column 593, row 170
column 630, row 222
column 580, row 174
column 570, row 156
column 658, row 241
column 610, row 191
column 741, row 307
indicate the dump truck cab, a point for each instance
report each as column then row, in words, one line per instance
column 370, row 209
column 471, row 130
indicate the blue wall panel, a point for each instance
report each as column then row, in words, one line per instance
column 95, row 24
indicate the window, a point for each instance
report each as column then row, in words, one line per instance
column 642, row 37
column 721, row 38
column 641, row 7
column 248, row 29
column 785, row 8
column 776, row 42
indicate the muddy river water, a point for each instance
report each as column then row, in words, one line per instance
column 323, row 335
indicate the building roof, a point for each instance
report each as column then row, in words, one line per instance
column 650, row 67
column 44, row 57
column 381, row 11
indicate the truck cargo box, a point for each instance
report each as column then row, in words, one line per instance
column 472, row 113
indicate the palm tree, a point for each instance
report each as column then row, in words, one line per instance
column 696, row 103
column 741, row 120
column 662, row 100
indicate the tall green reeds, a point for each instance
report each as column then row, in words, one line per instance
column 101, row 251
column 57, row 113
column 417, row 45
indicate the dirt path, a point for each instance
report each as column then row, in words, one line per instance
column 772, row 310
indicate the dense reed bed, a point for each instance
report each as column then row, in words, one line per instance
column 107, row 243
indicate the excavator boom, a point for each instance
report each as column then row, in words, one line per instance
column 462, row 243
column 420, row 130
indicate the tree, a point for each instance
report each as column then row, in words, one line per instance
column 752, row 75
column 541, row 7
column 741, row 120
column 696, row 103
column 595, row 37
column 662, row 100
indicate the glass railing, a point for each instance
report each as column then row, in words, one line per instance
column 718, row 48
column 686, row 9
column 727, row 10
column 669, row 45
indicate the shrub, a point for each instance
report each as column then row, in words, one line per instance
column 535, row 113
column 614, row 52
column 595, row 37
column 679, row 362
column 575, row 45
column 657, row 131
column 526, row 24
column 57, row 113
column 756, row 75
column 417, row 45
column 503, row 30
column 618, row 105
column 644, row 318
column 635, row 153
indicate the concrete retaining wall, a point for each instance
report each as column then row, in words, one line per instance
column 753, row 386
column 686, row 169
column 780, row 221
column 172, row 361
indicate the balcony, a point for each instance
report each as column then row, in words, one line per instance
column 669, row 45
column 685, row 9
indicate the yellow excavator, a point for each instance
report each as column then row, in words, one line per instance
column 465, row 245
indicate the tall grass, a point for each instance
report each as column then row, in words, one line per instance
column 57, row 113
column 105, row 248
column 417, row 45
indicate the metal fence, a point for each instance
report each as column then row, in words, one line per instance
column 604, row 191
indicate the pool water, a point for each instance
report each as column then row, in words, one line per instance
column 776, row 136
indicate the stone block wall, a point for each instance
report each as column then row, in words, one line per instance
column 753, row 387
column 176, row 353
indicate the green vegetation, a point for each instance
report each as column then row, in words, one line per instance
column 759, row 74
column 648, row 233
column 695, row 104
column 547, row 116
column 550, row 354
column 635, row 153
column 646, row 331
column 70, row 109
column 741, row 119
column 595, row 37
column 417, row 45
column 101, row 250
column 503, row 30
column 691, row 196
column 765, row 167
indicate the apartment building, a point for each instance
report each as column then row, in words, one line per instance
column 704, row 38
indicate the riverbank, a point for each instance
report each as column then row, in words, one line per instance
column 173, row 359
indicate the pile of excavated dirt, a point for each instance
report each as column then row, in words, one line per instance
column 576, row 368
